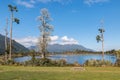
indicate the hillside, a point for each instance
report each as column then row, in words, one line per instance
column 63, row 48
column 16, row 46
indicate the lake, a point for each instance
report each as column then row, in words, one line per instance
column 81, row 58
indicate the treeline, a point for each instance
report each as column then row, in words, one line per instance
column 82, row 52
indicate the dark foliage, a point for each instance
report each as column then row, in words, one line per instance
column 117, row 63
column 45, row 62
column 97, row 63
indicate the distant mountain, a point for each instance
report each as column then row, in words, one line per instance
column 33, row 48
column 63, row 48
column 16, row 46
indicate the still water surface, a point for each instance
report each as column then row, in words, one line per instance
column 81, row 58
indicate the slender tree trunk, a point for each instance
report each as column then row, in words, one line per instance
column 10, row 57
column 6, row 33
column 43, row 46
column 6, row 47
column 102, row 46
column 43, row 55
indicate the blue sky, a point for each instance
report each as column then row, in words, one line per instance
column 74, row 21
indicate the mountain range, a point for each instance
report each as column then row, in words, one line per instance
column 62, row 48
column 16, row 46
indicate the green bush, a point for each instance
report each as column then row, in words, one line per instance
column 97, row 63
column 1, row 62
column 76, row 64
column 60, row 62
column 117, row 63
column 10, row 62
column 45, row 62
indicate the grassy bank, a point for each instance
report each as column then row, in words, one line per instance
column 58, row 73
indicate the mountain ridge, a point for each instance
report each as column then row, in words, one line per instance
column 17, row 47
column 63, row 48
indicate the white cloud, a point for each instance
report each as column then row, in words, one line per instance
column 31, row 3
column 90, row 2
column 59, row 1
column 66, row 40
column 54, row 38
column 32, row 41
column 44, row 1
column 28, row 41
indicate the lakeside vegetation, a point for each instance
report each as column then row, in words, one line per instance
column 61, row 62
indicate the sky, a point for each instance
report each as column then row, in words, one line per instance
column 74, row 21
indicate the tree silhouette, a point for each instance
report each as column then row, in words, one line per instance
column 12, row 9
column 100, row 38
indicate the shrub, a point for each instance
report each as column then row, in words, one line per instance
column 117, row 63
column 1, row 62
column 10, row 62
column 76, row 64
column 97, row 63
column 60, row 62
column 45, row 62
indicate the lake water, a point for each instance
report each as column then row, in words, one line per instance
column 81, row 58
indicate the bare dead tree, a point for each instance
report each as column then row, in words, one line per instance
column 45, row 29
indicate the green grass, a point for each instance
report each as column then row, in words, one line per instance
column 58, row 73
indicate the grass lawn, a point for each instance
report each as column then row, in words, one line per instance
column 58, row 73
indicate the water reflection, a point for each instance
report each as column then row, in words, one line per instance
column 81, row 58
